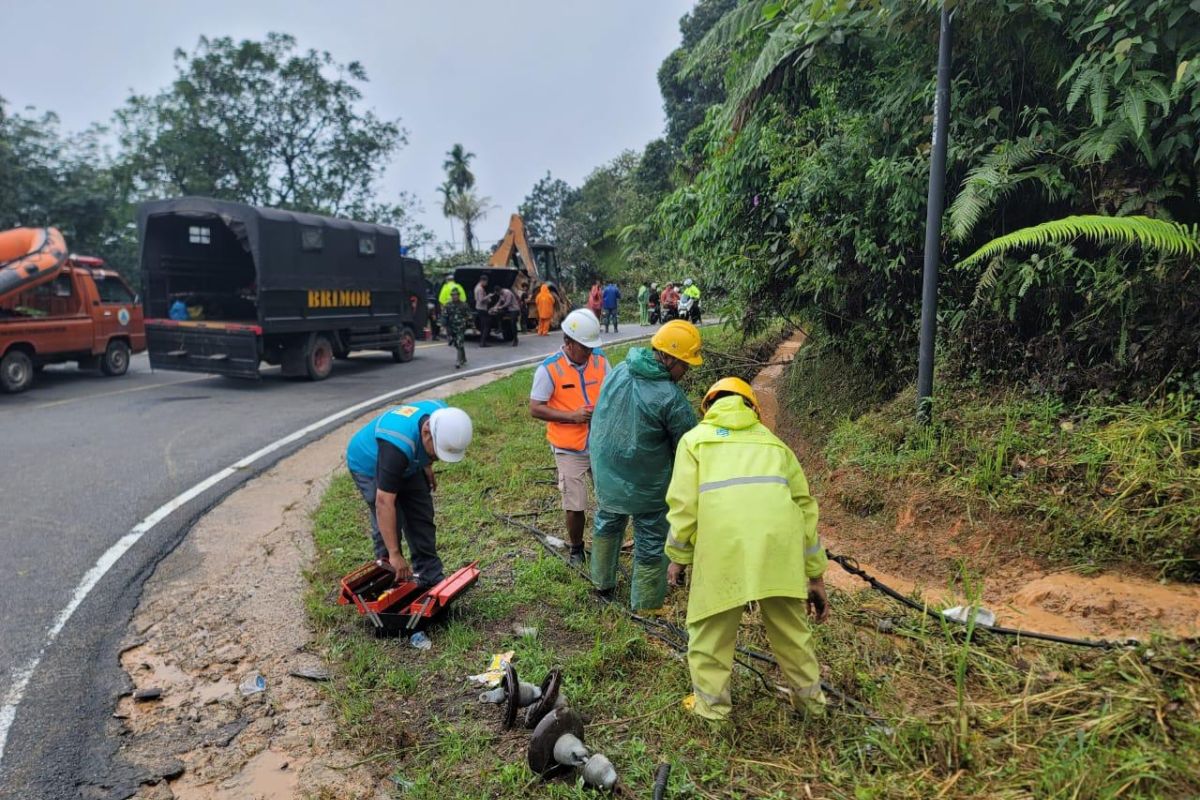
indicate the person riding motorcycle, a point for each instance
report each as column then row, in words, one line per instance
column 689, row 302
column 670, row 303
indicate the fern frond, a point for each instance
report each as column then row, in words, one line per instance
column 987, row 281
column 992, row 180
column 730, row 29
column 777, row 56
column 1134, row 107
column 1169, row 238
column 1099, row 97
column 1082, row 81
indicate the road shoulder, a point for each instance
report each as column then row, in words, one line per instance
column 226, row 605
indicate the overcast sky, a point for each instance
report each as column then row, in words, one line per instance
column 527, row 85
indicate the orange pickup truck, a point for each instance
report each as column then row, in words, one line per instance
column 77, row 311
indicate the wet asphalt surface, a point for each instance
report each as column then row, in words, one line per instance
column 87, row 458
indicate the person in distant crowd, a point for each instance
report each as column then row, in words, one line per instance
column 565, row 388
column 449, row 285
column 595, row 299
column 639, row 419
column 643, row 298
column 609, row 303
column 741, row 516
column 507, row 309
column 458, row 319
column 435, row 311
column 692, row 291
column 545, row 309
column 391, row 461
column 653, row 302
column 483, row 319
column 670, row 302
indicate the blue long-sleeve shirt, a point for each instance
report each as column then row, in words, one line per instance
column 611, row 295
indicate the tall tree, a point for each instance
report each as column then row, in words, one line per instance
column 65, row 181
column 261, row 122
column 458, row 168
column 447, row 192
column 469, row 207
column 543, row 206
column 459, row 199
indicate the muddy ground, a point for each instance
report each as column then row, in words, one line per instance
column 226, row 606
column 916, row 542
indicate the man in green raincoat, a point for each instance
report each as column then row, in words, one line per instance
column 742, row 517
column 639, row 418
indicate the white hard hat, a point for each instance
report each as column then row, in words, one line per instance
column 688, row 282
column 451, row 430
column 582, row 326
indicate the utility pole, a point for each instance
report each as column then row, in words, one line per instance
column 933, row 222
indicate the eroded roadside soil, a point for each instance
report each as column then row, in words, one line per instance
column 918, row 543
column 226, row 605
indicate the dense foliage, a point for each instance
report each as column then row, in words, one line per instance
column 811, row 197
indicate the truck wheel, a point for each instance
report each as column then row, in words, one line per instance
column 16, row 371
column 408, row 345
column 116, row 358
column 319, row 361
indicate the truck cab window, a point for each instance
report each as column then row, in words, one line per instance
column 199, row 234
column 113, row 290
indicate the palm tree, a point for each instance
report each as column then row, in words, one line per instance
column 469, row 207
column 448, row 195
column 458, row 168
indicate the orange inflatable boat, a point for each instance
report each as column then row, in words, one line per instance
column 29, row 256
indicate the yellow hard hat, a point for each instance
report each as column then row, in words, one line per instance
column 681, row 339
column 732, row 385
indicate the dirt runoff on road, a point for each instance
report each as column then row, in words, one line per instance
column 918, row 543
column 226, row 607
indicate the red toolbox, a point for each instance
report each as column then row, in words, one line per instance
column 404, row 608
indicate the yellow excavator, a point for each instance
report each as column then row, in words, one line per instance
column 522, row 266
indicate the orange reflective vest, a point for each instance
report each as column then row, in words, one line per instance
column 574, row 388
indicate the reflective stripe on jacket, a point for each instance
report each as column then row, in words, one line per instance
column 399, row 426
column 574, row 388
column 740, row 513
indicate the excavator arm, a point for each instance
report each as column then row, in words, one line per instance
column 514, row 251
column 515, row 243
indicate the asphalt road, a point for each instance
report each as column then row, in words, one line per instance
column 87, row 458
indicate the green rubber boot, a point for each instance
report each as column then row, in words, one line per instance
column 606, row 550
column 649, row 589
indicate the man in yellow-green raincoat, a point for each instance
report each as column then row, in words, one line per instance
column 741, row 516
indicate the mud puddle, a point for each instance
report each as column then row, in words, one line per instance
column 921, row 552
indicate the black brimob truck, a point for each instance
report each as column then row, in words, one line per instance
column 228, row 286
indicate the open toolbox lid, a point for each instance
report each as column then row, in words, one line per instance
column 369, row 589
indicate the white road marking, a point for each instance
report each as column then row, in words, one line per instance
column 22, row 676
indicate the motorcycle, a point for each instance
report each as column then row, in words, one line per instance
column 689, row 309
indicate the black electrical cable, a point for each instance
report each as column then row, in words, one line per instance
column 672, row 638
column 850, row 565
column 660, row 781
column 676, row 638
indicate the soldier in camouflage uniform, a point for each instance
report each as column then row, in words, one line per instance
column 457, row 318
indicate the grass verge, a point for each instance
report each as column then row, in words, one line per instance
column 949, row 717
column 1100, row 483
